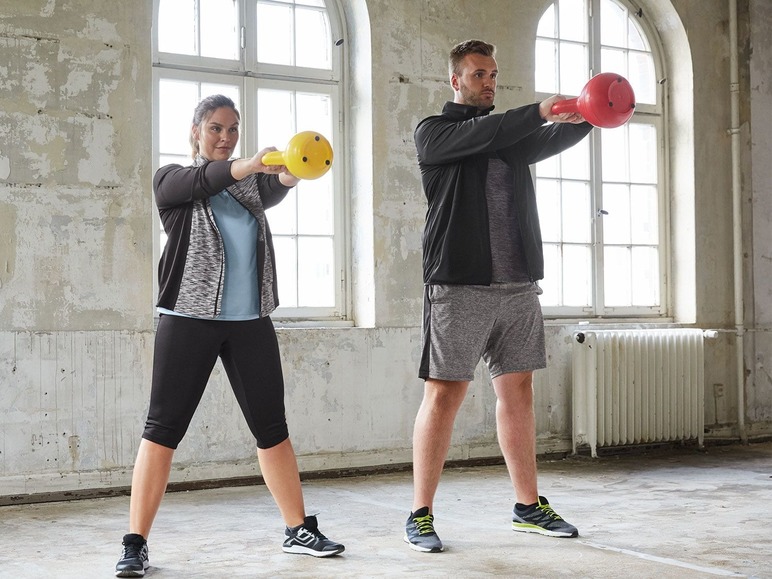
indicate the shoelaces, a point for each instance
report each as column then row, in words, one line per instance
column 425, row 524
column 547, row 510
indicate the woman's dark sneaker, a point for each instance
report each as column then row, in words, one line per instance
column 134, row 559
column 306, row 539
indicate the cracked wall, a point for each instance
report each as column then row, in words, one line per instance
column 76, row 315
column 74, row 167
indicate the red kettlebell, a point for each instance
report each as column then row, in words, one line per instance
column 606, row 101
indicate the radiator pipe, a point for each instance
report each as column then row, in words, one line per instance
column 734, row 131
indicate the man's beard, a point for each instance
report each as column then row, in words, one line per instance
column 474, row 99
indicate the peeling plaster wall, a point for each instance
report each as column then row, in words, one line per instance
column 76, row 326
column 759, row 389
column 74, row 164
column 76, row 319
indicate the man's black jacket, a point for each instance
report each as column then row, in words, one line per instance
column 453, row 152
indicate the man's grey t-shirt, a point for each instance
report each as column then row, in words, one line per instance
column 509, row 264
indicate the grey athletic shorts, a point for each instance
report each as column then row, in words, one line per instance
column 502, row 323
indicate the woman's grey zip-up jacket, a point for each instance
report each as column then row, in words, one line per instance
column 192, row 268
column 453, row 152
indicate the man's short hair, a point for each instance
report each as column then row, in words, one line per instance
column 460, row 50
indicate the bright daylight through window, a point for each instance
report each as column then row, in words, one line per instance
column 278, row 61
column 601, row 203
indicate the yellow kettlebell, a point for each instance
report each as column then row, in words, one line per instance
column 308, row 155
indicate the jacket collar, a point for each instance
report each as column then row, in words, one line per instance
column 459, row 111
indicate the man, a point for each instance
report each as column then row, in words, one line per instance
column 482, row 257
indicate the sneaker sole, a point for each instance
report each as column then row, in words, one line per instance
column 298, row 550
column 526, row 528
column 130, row 573
column 422, row 549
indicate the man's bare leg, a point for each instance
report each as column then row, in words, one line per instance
column 516, row 429
column 431, row 437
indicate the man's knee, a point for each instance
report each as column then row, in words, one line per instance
column 444, row 394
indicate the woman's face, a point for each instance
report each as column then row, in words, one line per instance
column 218, row 135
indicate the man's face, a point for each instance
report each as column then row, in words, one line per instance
column 476, row 84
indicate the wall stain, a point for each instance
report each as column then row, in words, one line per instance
column 8, row 242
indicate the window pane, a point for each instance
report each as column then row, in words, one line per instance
column 641, row 75
column 286, row 34
column 176, row 103
column 546, row 65
column 577, row 267
column 548, row 167
column 548, row 201
column 547, row 23
column 230, row 90
column 572, row 16
column 177, row 26
column 274, row 34
column 220, row 30
column 628, row 196
column 615, row 154
column 275, row 118
column 313, row 43
column 314, row 113
column 315, row 272
column 635, row 39
column 286, row 270
column 282, row 218
column 315, row 205
column 645, row 276
column 576, row 212
column 574, row 71
column 618, row 292
column 613, row 24
column 614, row 61
column 318, row 3
column 575, row 161
column 644, row 210
column 616, row 220
column 643, row 153
column 552, row 281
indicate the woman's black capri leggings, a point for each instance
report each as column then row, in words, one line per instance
column 186, row 350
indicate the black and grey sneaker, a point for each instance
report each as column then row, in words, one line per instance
column 134, row 559
column 420, row 534
column 540, row 518
column 306, row 539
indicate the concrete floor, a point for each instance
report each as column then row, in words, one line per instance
column 676, row 513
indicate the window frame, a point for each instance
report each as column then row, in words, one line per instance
column 645, row 113
column 249, row 75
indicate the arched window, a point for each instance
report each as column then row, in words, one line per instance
column 281, row 62
column 603, row 203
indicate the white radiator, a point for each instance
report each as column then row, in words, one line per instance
column 637, row 387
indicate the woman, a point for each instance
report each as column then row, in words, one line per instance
column 217, row 288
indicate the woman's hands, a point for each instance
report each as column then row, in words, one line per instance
column 240, row 168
